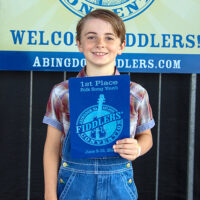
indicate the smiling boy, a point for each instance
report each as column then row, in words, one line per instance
column 100, row 37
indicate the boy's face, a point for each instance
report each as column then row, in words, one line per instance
column 99, row 43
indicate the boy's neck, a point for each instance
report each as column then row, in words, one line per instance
column 100, row 70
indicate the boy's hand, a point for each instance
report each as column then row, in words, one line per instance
column 127, row 148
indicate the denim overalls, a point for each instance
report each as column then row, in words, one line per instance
column 94, row 179
column 103, row 178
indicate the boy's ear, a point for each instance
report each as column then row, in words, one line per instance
column 121, row 48
column 79, row 46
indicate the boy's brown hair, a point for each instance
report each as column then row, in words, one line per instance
column 106, row 15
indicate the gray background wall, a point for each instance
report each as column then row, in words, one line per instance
column 22, row 135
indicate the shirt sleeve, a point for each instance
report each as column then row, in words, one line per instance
column 53, row 114
column 145, row 118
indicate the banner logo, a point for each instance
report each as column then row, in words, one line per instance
column 99, row 124
column 126, row 9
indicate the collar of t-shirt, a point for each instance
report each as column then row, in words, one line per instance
column 83, row 72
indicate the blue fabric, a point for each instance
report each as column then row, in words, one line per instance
column 94, row 179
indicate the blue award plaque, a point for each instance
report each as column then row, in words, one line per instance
column 99, row 114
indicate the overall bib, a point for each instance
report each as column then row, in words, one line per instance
column 94, row 179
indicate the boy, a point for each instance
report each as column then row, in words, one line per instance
column 100, row 37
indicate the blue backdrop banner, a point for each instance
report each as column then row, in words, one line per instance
column 73, row 61
column 161, row 36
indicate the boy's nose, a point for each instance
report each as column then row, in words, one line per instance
column 100, row 42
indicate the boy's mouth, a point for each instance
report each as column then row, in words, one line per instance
column 100, row 53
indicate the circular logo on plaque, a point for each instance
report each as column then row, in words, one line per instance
column 99, row 124
column 126, row 9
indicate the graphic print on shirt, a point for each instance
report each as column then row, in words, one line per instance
column 99, row 124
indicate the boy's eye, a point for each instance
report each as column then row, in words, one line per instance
column 109, row 38
column 90, row 37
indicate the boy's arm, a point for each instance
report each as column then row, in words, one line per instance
column 130, row 148
column 51, row 162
